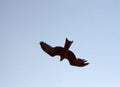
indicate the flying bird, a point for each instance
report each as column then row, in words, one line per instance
column 64, row 53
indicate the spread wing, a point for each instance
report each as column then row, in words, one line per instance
column 76, row 61
column 52, row 51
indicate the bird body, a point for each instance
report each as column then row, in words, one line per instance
column 64, row 53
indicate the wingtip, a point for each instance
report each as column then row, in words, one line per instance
column 41, row 42
column 81, row 62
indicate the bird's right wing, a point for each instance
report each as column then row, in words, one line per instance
column 76, row 61
column 81, row 62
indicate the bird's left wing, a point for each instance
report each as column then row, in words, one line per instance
column 52, row 51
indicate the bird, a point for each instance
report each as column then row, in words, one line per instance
column 64, row 53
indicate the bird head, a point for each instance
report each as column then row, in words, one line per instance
column 61, row 58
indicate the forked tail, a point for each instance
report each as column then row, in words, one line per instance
column 67, row 44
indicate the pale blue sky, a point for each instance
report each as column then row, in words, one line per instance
column 93, row 25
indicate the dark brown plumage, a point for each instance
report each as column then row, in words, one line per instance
column 64, row 53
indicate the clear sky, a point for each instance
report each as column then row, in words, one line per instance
column 93, row 25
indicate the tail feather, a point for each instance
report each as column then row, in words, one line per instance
column 67, row 44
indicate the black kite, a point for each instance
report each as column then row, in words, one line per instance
column 64, row 53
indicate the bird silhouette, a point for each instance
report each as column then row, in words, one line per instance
column 64, row 53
